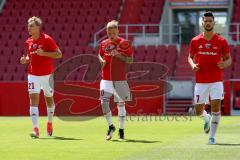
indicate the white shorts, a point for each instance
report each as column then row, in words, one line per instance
column 36, row 83
column 204, row 91
column 119, row 89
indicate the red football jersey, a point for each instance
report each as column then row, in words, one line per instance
column 115, row 69
column 207, row 54
column 40, row 65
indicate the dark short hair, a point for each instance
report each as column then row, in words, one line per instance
column 208, row 14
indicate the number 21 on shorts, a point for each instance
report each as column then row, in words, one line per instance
column 31, row 85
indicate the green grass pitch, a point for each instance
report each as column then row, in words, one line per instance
column 146, row 139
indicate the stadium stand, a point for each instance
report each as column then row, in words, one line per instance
column 142, row 12
column 163, row 54
column 71, row 27
column 183, row 69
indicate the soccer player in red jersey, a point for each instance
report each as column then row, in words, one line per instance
column 41, row 50
column 208, row 56
column 114, row 54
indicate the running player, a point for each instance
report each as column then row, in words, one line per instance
column 41, row 50
column 114, row 54
column 208, row 56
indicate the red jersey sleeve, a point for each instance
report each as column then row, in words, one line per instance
column 192, row 49
column 129, row 51
column 101, row 50
column 225, row 48
column 51, row 44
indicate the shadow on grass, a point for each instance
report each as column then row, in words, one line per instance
column 228, row 144
column 136, row 141
column 62, row 138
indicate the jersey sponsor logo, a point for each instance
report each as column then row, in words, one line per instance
column 109, row 47
column 208, row 53
column 108, row 53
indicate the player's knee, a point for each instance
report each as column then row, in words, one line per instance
column 215, row 109
column 199, row 109
column 105, row 100
column 215, row 105
column 105, row 105
column 121, row 109
column 121, row 104
column 32, row 103
column 49, row 101
column 34, row 99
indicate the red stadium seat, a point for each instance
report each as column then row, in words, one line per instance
column 91, row 19
column 162, row 49
column 151, row 50
column 86, row 5
column 93, row 12
column 81, row 20
column 74, row 12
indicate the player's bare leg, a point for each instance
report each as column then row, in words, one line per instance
column 50, row 111
column 34, row 101
column 108, row 115
column 216, row 114
column 121, row 118
column 203, row 114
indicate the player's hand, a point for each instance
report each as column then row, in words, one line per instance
column 40, row 52
column 23, row 59
column 221, row 65
column 103, row 63
column 195, row 67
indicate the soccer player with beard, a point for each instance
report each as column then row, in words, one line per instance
column 208, row 56
column 114, row 54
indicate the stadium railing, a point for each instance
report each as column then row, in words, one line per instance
column 234, row 32
column 156, row 34
column 163, row 34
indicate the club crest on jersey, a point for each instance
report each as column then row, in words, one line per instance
column 110, row 47
column 34, row 46
column 207, row 45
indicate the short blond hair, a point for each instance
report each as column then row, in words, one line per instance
column 36, row 20
column 112, row 24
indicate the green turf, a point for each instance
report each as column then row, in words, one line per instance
column 161, row 139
